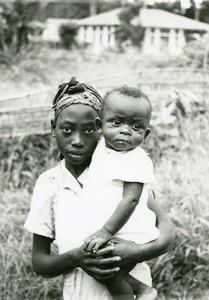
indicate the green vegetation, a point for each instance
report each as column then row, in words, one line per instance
column 14, row 28
column 182, row 176
column 126, row 31
column 181, row 165
column 67, row 33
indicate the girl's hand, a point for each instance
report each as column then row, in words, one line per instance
column 128, row 251
column 102, row 265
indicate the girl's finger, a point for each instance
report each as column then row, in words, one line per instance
column 105, row 250
column 102, row 273
column 102, row 262
column 104, row 278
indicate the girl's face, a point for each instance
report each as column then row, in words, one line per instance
column 76, row 134
column 125, row 122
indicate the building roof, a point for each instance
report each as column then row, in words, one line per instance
column 163, row 19
column 154, row 18
column 106, row 18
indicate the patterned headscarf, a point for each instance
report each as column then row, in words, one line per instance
column 74, row 92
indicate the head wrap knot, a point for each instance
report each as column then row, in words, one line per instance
column 74, row 92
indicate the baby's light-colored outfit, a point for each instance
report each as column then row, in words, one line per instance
column 56, row 212
column 103, row 190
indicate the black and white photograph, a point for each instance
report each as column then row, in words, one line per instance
column 93, row 92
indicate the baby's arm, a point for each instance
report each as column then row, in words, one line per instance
column 131, row 195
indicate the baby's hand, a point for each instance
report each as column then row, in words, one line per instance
column 96, row 240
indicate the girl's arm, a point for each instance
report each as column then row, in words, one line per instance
column 51, row 265
column 132, row 253
column 131, row 195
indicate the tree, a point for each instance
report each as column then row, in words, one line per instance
column 14, row 27
column 200, row 12
column 67, row 33
column 194, row 9
column 127, row 31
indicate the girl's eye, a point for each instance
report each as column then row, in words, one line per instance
column 89, row 130
column 67, row 129
column 116, row 123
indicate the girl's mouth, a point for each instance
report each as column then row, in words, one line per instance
column 76, row 154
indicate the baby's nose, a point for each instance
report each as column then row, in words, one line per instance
column 125, row 130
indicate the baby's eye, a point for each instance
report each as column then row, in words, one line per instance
column 137, row 127
column 116, row 123
column 67, row 129
column 89, row 130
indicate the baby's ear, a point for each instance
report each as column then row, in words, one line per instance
column 147, row 132
column 98, row 122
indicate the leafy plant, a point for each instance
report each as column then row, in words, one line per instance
column 196, row 52
column 14, row 28
column 67, row 33
column 126, row 31
column 22, row 159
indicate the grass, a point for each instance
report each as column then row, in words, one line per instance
column 183, row 190
column 18, row 282
column 181, row 167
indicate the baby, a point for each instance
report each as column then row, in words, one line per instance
column 116, row 188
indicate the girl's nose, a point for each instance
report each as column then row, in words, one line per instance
column 77, row 140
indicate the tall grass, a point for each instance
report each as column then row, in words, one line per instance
column 182, row 190
column 17, row 280
column 21, row 161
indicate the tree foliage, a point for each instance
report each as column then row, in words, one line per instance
column 65, row 10
column 196, row 53
column 127, row 31
column 200, row 13
column 14, row 29
column 74, row 9
column 67, row 33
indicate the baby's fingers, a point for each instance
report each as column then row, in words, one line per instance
column 97, row 245
column 88, row 239
column 90, row 246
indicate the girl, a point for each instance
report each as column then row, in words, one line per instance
column 56, row 207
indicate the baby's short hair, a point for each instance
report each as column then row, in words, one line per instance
column 128, row 91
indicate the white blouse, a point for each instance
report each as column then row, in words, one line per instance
column 56, row 212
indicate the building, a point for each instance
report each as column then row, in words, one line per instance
column 164, row 31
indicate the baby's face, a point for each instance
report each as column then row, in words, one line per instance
column 125, row 122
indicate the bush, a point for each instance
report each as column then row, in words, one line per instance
column 196, row 53
column 22, row 160
column 126, row 31
column 14, row 27
column 67, row 33
column 183, row 190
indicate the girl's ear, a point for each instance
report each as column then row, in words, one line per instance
column 147, row 132
column 98, row 125
column 53, row 128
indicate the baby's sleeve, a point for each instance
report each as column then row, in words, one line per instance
column 40, row 219
column 133, row 166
